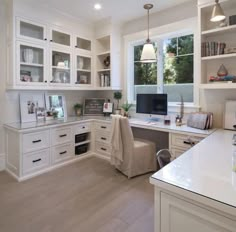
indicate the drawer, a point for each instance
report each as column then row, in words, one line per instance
column 176, row 152
column 62, row 153
column 82, row 128
column 103, row 126
column 35, row 141
column 184, row 141
column 36, row 161
column 103, row 149
column 103, row 137
column 61, row 135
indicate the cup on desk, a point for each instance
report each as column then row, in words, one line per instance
column 167, row 120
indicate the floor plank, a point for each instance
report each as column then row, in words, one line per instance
column 86, row 196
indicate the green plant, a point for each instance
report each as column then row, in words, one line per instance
column 78, row 106
column 126, row 106
column 55, row 113
column 117, row 95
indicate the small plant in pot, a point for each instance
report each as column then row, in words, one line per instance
column 117, row 95
column 126, row 106
column 78, row 109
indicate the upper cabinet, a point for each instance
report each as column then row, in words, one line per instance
column 59, row 37
column 217, row 43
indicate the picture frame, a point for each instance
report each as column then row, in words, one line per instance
column 94, row 106
column 55, row 102
column 40, row 114
column 29, row 102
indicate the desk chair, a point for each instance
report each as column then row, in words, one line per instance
column 134, row 156
column 163, row 157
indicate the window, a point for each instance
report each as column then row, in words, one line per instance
column 171, row 74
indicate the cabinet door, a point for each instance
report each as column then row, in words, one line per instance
column 60, row 67
column 178, row 215
column 31, row 64
column 60, row 37
column 28, row 30
column 83, row 45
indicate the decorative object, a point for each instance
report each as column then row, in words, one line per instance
column 83, row 79
column 55, row 114
column 94, row 106
column 217, row 13
column 25, row 75
column 80, row 62
column 117, row 95
column 126, row 106
column 223, row 78
column 230, row 50
column 28, row 55
column 232, row 20
column 223, row 23
column 167, row 120
column 107, row 108
column 35, row 78
column 40, row 113
column 148, row 53
column 106, row 62
column 56, row 58
column 56, row 103
column 29, row 103
column 78, row 109
column 222, row 71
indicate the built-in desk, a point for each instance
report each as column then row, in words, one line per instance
column 35, row 147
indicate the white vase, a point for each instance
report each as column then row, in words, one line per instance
column 28, row 55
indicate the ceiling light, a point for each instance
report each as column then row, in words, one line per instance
column 217, row 13
column 148, row 53
column 97, row 6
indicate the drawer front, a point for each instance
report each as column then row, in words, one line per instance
column 62, row 153
column 36, row 161
column 35, row 141
column 103, row 137
column 176, row 152
column 103, row 126
column 82, row 128
column 184, row 141
column 61, row 135
column 103, row 149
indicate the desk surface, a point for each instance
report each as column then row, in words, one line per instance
column 134, row 122
column 206, row 169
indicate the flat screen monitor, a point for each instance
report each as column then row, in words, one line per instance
column 152, row 104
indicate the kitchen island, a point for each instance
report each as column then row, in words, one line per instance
column 197, row 191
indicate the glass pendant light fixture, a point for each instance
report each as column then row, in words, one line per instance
column 217, row 13
column 148, row 53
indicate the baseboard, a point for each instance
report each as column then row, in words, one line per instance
column 2, row 162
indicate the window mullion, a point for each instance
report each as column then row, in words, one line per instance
column 160, row 66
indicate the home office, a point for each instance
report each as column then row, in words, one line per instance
column 49, row 51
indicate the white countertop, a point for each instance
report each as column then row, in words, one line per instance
column 206, row 169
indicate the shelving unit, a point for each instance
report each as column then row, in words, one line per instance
column 212, row 35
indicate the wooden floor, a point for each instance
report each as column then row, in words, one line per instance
column 86, row 196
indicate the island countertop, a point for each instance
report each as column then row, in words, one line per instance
column 206, row 169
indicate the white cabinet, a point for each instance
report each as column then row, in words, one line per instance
column 62, row 153
column 214, row 41
column 61, row 135
column 180, row 215
column 60, row 37
column 179, row 143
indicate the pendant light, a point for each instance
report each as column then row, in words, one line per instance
column 217, row 13
column 148, row 53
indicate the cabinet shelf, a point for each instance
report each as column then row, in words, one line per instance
column 84, row 70
column 56, row 67
column 81, row 143
column 218, row 31
column 219, row 56
column 104, row 70
column 31, row 64
column 103, row 53
column 225, row 85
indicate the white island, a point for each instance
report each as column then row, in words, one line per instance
column 197, row 191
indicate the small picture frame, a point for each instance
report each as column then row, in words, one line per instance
column 94, row 106
column 108, row 107
column 40, row 114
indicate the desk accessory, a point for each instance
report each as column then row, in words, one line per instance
column 200, row 120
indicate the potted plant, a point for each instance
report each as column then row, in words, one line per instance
column 117, row 96
column 78, row 109
column 126, row 106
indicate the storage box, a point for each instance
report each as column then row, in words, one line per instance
column 232, row 20
column 80, row 138
column 80, row 149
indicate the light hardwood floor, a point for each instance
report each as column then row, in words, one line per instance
column 86, row 196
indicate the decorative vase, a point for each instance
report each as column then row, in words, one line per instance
column 28, row 55
column 222, row 71
column 78, row 112
column 80, row 63
column 106, row 62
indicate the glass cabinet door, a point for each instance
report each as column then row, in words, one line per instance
column 31, row 30
column 61, row 67
column 31, row 63
column 83, row 44
column 60, row 38
column 83, row 75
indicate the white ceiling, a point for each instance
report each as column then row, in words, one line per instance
column 118, row 10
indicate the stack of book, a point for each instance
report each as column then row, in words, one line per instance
column 104, row 80
column 212, row 48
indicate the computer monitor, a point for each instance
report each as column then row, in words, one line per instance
column 152, row 104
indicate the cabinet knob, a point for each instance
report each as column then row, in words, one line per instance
column 51, row 81
column 76, row 46
column 51, row 40
column 45, row 39
column 45, row 81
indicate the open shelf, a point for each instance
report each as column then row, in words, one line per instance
column 84, row 70
column 104, row 70
column 221, row 30
column 56, row 67
column 219, row 56
column 104, row 53
column 81, row 143
column 225, row 85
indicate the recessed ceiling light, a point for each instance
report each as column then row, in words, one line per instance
column 97, row 6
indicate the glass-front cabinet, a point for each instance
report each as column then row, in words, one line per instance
column 83, row 44
column 30, row 64
column 60, row 38
column 83, row 70
column 60, row 67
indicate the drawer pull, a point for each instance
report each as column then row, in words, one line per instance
column 104, row 149
column 62, row 153
column 37, row 141
column 102, row 138
column 189, row 143
column 37, row 160
column 103, row 127
column 83, row 127
column 62, row 135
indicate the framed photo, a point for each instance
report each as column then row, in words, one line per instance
column 29, row 103
column 94, row 106
column 108, row 107
column 55, row 103
column 40, row 113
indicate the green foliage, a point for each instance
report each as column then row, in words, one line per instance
column 78, row 106
column 126, row 106
column 117, row 95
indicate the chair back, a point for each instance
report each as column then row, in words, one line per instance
column 163, row 157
